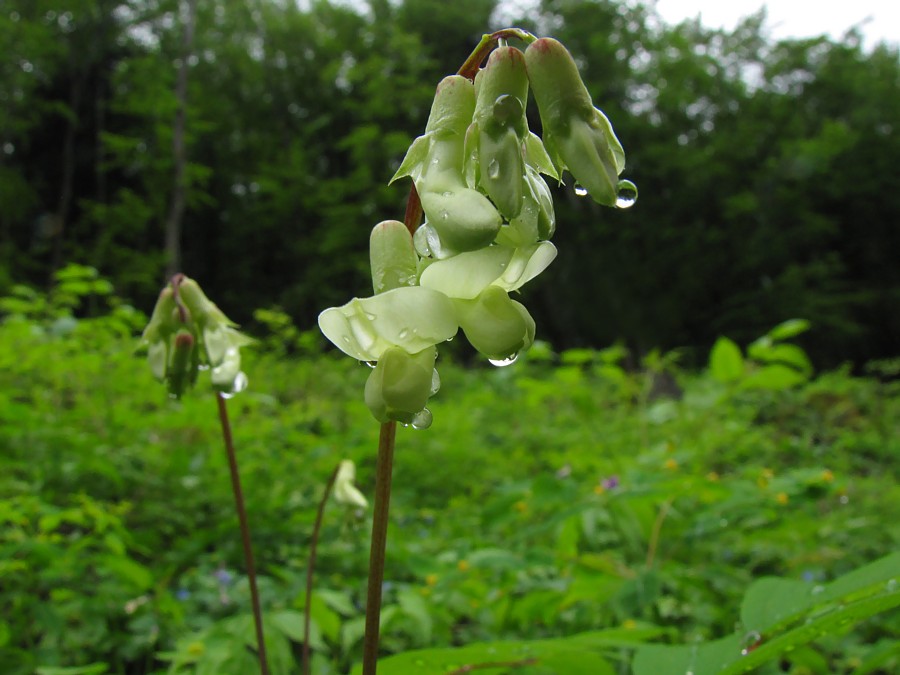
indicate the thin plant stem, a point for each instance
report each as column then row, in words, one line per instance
column 313, row 548
column 245, row 533
column 656, row 531
column 383, row 472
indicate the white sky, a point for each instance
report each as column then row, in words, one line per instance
column 880, row 19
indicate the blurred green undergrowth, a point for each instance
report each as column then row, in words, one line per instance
column 563, row 495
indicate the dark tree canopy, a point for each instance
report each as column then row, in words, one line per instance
column 766, row 168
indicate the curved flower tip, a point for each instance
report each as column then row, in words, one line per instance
column 466, row 275
column 345, row 492
column 412, row 318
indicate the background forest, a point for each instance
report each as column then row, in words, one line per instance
column 767, row 170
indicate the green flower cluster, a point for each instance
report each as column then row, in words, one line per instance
column 488, row 217
column 188, row 333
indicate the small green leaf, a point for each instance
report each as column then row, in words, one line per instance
column 788, row 329
column 725, row 361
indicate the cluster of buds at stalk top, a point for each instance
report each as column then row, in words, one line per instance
column 488, row 218
column 187, row 333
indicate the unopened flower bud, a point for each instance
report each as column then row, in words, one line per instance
column 577, row 135
column 392, row 256
column 399, row 386
column 496, row 325
column 182, row 368
column 499, row 129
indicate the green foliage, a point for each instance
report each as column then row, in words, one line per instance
column 577, row 507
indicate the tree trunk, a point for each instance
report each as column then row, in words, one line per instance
column 177, row 202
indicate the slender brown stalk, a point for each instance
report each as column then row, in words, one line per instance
column 245, row 533
column 383, row 472
column 313, row 548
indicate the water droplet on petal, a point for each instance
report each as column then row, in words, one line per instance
column 435, row 382
column 445, row 215
column 580, row 190
column 626, row 194
column 422, row 419
column 420, row 241
column 508, row 361
column 370, row 364
column 370, row 317
column 494, row 170
column 403, row 334
column 447, row 193
column 240, row 383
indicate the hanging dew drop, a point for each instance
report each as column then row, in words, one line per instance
column 626, row 194
column 422, row 419
column 421, row 241
column 494, row 170
column 435, row 382
column 240, row 384
column 370, row 364
column 508, row 361
column 580, row 190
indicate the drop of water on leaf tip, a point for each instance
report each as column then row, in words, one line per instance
column 508, row 361
column 370, row 364
column 494, row 170
column 626, row 194
column 580, row 190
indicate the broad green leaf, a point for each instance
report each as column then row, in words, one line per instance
column 780, row 615
column 527, row 657
column 725, row 361
column 774, row 378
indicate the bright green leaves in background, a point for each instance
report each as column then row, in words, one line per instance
column 771, row 363
column 488, row 213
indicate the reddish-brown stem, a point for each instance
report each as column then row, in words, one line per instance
column 245, row 533
column 383, row 472
column 313, row 547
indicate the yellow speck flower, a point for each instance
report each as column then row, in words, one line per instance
column 712, row 477
column 629, row 624
column 827, row 475
column 782, row 498
column 767, row 473
column 599, row 489
column 521, row 506
column 196, row 648
column 671, row 464
column 463, row 565
column 431, row 579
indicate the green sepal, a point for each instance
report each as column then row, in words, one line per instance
column 392, row 258
column 412, row 163
column 496, row 325
column 536, row 155
column 399, row 386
